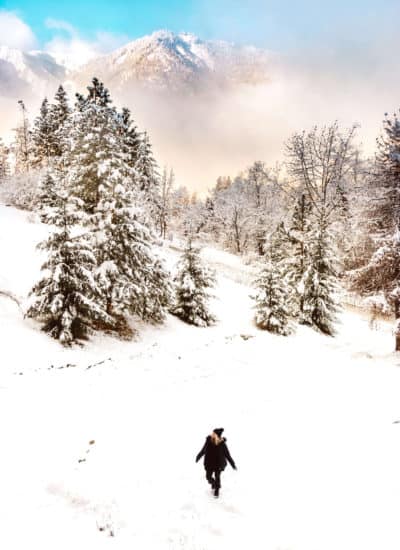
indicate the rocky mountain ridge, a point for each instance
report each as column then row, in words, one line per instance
column 162, row 61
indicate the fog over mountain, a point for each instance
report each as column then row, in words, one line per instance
column 210, row 107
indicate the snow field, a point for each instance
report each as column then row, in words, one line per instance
column 309, row 422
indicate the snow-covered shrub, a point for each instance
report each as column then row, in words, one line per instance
column 21, row 190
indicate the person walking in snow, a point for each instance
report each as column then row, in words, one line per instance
column 216, row 455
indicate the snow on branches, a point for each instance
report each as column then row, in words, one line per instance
column 101, row 264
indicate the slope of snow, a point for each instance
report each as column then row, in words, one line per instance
column 101, row 451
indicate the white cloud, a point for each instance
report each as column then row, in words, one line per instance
column 60, row 25
column 15, row 33
column 69, row 48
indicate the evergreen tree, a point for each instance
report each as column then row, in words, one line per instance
column 131, row 277
column 299, row 234
column 59, row 114
column 130, row 138
column 22, row 146
column 49, row 135
column 94, row 171
column 387, row 176
column 381, row 273
column 157, row 294
column 146, row 168
column 257, row 179
column 320, row 285
column 4, row 164
column 66, row 298
column 167, row 184
column 191, row 288
column 98, row 94
column 42, row 137
column 147, row 181
column 49, row 196
column 321, row 161
column 274, row 293
column 96, row 148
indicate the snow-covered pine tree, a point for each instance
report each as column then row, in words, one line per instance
column 148, row 179
column 382, row 276
column 157, row 294
column 211, row 223
column 298, row 262
column 4, row 162
column 130, row 275
column 192, row 282
column 42, row 136
column 98, row 94
column 320, row 284
column 66, row 299
column 49, row 136
column 167, row 184
column 130, row 137
column 146, row 167
column 387, row 177
column 274, row 293
column 49, row 195
column 382, row 272
column 257, row 179
column 59, row 114
column 320, row 161
column 22, row 145
column 382, row 202
column 96, row 147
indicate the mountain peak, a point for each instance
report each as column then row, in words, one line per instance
column 163, row 60
column 21, row 71
column 168, row 60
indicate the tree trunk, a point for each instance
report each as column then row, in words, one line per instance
column 397, row 341
column 397, row 316
column 237, row 234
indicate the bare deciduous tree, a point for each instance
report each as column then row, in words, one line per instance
column 320, row 161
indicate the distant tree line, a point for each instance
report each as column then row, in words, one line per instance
column 326, row 218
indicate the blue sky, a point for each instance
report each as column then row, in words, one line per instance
column 130, row 18
column 282, row 25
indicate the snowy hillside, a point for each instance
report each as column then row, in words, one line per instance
column 99, row 443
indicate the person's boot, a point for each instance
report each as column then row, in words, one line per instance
column 216, row 492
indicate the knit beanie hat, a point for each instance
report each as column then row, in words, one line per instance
column 218, row 431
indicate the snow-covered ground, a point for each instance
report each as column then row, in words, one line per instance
column 104, row 457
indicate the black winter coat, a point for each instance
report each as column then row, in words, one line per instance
column 215, row 456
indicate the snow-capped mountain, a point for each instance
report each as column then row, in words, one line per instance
column 161, row 61
column 165, row 60
column 26, row 73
